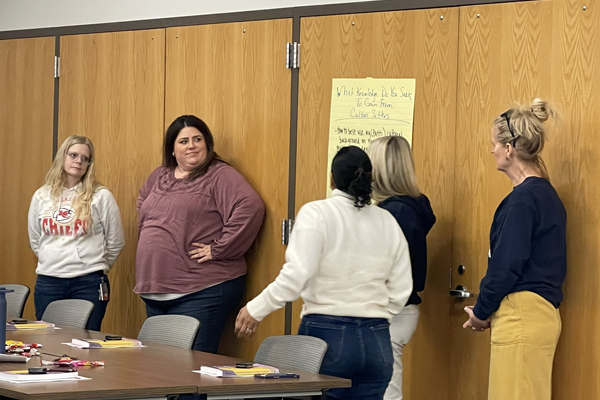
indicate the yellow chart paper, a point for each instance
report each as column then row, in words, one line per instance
column 365, row 109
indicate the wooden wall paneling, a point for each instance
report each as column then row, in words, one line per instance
column 505, row 55
column 408, row 44
column 572, row 158
column 26, row 113
column 233, row 76
column 112, row 90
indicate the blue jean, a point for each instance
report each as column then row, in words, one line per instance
column 48, row 289
column 359, row 349
column 211, row 306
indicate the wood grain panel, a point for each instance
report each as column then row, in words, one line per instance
column 505, row 56
column 411, row 44
column 233, row 76
column 572, row 159
column 26, row 113
column 112, row 90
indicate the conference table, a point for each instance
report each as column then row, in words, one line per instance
column 154, row 371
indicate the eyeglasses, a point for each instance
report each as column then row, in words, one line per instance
column 507, row 118
column 75, row 157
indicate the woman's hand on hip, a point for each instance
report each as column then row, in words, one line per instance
column 245, row 325
column 476, row 324
column 202, row 253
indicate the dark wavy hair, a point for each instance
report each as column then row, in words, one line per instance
column 176, row 126
column 351, row 169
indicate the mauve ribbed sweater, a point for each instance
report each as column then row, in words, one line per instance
column 219, row 208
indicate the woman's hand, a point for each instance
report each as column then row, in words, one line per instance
column 245, row 325
column 202, row 253
column 475, row 323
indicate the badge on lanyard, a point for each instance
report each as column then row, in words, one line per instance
column 103, row 291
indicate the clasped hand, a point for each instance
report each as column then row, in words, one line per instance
column 476, row 324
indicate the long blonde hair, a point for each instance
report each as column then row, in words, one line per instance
column 522, row 127
column 89, row 185
column 393, row 168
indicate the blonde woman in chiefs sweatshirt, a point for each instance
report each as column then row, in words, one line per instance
column 75, row 231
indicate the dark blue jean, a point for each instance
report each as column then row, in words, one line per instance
column 48, row 289
column 359, row 349
column 211, row 306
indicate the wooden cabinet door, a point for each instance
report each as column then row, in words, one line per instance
column 406, row 44
column 233, row 76
column 112, row 90
column 516, row 52
column 26, row 120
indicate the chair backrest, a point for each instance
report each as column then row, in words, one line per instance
column 15, row 301
column 69, row 312
column 170, row 329
column 299, row 352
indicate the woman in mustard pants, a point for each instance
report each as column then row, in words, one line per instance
column 522, row 289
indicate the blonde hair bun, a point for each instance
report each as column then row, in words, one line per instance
column 542, row 110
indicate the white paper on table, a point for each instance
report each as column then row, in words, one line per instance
column 77, row 378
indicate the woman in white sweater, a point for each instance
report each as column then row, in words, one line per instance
column 75, row 231
column 349, row 261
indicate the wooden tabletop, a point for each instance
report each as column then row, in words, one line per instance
column 155, row 370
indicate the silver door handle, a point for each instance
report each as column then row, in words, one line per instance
column 461, row 292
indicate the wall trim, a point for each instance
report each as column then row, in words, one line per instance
column 244, row 16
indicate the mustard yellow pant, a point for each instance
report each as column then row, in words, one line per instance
column 525, row 332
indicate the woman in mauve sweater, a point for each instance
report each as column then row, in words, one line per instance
column 197, row 218
column 349, row 262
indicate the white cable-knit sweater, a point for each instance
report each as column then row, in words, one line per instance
column 342, row 261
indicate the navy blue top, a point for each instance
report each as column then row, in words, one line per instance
column 528, row 247
column 416, row 218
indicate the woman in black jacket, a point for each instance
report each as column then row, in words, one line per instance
column 395, row 189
